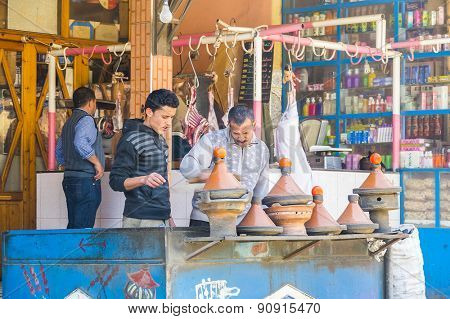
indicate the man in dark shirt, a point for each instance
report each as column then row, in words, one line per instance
column 80, row 151
column 140, row 165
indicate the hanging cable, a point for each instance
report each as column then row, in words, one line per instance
column 199, row 43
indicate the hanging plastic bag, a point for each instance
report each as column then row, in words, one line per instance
column 288, row 144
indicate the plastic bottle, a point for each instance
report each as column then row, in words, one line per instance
column 441, row 16
column 365, row 80
column 424, row 18
column 316, row 17
column 361, row 104
column 327, row 104
column 303, row 79
column 349, row 79
column 312, row 107
column 383, row 105
column 333, row 103
column 329, row 16
column 308, row 32
column 319, row 107
column 323, row 17
column 356, row 80
column 372, row 76
column 306, row 107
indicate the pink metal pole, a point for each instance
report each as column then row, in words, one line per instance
column 323, row 44
column 51, row 141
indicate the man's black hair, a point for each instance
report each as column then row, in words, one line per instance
column 160, row 98
column 240, row 113
column 82, row 96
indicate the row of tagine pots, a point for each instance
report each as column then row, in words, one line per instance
column 289, row 210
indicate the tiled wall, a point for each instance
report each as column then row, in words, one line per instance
column 52, row 211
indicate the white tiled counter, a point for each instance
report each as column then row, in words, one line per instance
column 52, row 210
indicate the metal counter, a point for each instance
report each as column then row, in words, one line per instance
column 184, row 263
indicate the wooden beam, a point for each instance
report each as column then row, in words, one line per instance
column 11, row 87
column 42, row 99
column 11, row 153
column 62, row 82
column 65, row 12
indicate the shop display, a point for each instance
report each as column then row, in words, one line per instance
column 367, row 103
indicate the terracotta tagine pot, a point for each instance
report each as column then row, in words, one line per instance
column 223, row 198
column 256, row 222
column 288, row 206
column 321, row 222
column 355, row 219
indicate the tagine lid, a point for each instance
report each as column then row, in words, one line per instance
column 353, row 214
column 256, row 216
column 286, row 186
column 320, row 216
column 220, row 177
column 376, row 178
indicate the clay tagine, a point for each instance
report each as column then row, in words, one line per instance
column 288, row 206
column 223, row 198
column 286, row 191
column 378, row 195
column 256, row 222
column 355, row 219
column 321, row 222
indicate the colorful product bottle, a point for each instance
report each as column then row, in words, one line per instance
column 349, row 79
column 306, row 107
column 312, row 107
column 319, row 107
column 372, row 77
column 356, row 79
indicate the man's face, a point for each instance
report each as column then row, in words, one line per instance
column 242, row 134
column 92, row 107
column 161, row 119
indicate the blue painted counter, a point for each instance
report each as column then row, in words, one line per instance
column 176, row 263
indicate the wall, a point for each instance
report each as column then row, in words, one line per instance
column 202, row 16
column 52, row 211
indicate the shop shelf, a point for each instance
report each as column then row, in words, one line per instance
column 365, row 115
column 365, row 3
column 312, row 9
column 425, row 112
column 305, row 64
column 374, row 88
column 429, row 55
column 369, row 144
column 325, row 117
column 425, row 170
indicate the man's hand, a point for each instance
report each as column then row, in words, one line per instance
column 171, row 222
column 99, row 171
column 153, row 180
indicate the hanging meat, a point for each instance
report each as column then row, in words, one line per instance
column 194, row 125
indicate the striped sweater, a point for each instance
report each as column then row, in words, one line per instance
column 141, row 151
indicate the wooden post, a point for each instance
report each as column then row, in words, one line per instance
column 80, row 72
column 28, row 164
column 65, row 10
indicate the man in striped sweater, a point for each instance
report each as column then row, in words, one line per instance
column 140, row 165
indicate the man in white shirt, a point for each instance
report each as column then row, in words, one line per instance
column 247, row 157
